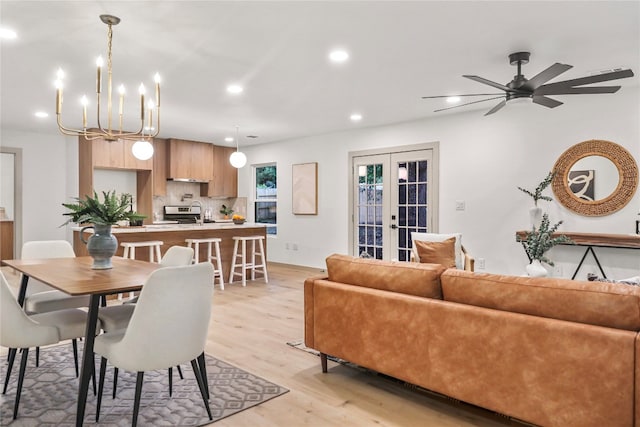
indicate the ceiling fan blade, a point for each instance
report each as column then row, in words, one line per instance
column 468, row 103
column 544, row 76
column 497, row 107
column 553, row 88
column 547, row 102
column 469, row 94
column 489, row 82
column 576, row 90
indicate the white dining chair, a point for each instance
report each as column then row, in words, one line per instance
column 168, row 327
column 41, row 298
column 21, row 331
column 117, row 317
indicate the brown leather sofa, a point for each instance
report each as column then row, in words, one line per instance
column 551, row 352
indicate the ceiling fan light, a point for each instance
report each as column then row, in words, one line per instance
column 142, row 150
column 238, row 159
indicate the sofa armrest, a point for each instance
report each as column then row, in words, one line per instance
column 308, row 310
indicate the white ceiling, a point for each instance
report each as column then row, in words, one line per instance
column 278, row 51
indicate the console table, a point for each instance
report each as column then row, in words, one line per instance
column 594, row 240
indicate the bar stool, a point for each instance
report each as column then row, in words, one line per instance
column 244, row 265
column 217, row 265
column 130, row 252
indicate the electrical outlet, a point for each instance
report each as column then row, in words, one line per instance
column 460, row 205
column 286, row 246
column 295, row 247
column 480, row 265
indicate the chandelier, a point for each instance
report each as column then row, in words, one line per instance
column 142, row 149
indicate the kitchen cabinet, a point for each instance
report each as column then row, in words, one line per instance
column 6, row 239
column 115, row 155
column 190, row 160
column 159, row 167
column 225, row 176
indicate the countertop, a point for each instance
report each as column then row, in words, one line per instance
column 178, row 227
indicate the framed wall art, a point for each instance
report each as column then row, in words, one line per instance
column 305, row 188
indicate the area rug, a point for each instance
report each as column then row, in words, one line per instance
column 50, row 392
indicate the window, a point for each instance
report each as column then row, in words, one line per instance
column 266, row 196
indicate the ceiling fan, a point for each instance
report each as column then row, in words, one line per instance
column 536, row 89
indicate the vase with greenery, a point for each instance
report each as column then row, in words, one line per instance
column 535, row 212
column 102, row 214
column 538, row 241
column 226, row 211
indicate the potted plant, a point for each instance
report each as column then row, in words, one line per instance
column 538, row 241
column 535, row 212
column 102, row 214
column 226, row 211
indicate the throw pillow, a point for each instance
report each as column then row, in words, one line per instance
column 437, row 252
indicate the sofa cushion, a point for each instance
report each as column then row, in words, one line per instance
column 403, row 277
column 602, row 304
column 437, row 252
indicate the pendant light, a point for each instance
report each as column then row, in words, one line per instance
column 238, row 158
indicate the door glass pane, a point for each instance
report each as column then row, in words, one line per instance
column 370, row 200
column 412, row 204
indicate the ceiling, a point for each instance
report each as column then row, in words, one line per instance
column 399, row 51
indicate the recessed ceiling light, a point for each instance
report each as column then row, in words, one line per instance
column 453, row 99
column 235, row 89
column 41, row 114
column 338, row 56
column 356, row 117
column 228, row 139
column 7, row 33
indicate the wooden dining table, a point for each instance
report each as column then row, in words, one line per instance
column 74, row 276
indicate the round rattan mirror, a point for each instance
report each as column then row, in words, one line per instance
column 588, row 163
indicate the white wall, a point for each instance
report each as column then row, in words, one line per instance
column 7, row 184
column 482, row 161
column 50, row 177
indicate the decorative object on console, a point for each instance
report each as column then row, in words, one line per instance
column 613, row 164
column 537, row 242
column 535, row 213
column 521, row 88
column 102, row 245
column 142, row 149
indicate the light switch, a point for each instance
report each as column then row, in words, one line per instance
column 460, row 205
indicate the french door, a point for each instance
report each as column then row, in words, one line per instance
column 393, row 195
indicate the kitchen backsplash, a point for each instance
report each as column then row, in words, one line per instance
column 178, row 195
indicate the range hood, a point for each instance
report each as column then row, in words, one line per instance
column 196, row 181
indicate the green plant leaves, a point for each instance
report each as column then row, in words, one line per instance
column 109, row 211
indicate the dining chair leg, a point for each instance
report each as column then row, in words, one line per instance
column 23, row 366
column 199, row 380
column 203, row 372
column 170, row 381
column 180, row 372
column 115, row 382
column 37, row 357
column 74, row 343
column 93, row 374
column 12, row 358
column 136, row 400
column 103, row 369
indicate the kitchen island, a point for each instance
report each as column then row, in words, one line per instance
column 175, row 235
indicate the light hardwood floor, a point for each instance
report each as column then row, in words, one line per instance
column 250, row 328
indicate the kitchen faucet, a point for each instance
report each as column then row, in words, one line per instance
column 197, row 203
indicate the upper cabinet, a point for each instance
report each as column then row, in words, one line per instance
column 114, row 155
column 189, row 160
column 225, row 176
